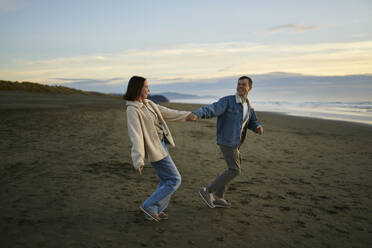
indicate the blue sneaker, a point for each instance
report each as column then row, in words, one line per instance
column 206, row 197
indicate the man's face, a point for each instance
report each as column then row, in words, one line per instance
column 243, row 87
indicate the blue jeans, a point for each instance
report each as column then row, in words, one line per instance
column 169, row 181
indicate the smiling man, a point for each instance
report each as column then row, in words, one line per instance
column 234, row 116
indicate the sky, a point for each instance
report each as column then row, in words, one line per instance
column 61, row 42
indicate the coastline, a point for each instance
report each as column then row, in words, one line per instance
column 312, row 118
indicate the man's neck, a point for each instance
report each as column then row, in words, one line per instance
column 244, row 98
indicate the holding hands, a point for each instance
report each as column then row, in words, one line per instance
column 191, row 117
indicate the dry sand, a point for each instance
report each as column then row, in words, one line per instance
column 66, row 180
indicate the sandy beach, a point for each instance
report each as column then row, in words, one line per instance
column 66, row 180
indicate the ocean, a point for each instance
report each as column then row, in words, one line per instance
column 360, row 112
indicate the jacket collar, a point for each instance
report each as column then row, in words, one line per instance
column 240, row 99
column 137, row 104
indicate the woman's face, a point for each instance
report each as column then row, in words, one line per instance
column 144, row 92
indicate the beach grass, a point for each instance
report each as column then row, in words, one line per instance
column 42, row 88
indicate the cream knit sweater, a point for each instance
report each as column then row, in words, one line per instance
column 142, row 132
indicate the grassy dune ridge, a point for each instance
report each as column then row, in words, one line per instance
column 41, row 88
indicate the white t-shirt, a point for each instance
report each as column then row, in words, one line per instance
column 245, row 111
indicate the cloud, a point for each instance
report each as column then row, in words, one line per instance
column 362, row 35
column 12, row 5
column 87, row 80
column 298, row 28
column 356, row 20
column 224, row 69
column 195, row 61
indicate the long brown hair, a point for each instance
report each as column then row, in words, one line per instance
column 134, row 88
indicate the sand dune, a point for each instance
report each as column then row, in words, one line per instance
column 66, row 180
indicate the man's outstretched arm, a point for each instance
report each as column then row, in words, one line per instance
column 212, row 110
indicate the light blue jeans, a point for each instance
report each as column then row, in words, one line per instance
column 169, row 181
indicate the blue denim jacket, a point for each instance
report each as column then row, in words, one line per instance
column 229, row 114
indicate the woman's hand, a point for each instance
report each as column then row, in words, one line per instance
column 140, row 169
column 191, row 117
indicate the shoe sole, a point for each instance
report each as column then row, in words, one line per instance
column 148, row 218
column 205, row 200
column 222, row 206
column 162, row 218
column 148, row 214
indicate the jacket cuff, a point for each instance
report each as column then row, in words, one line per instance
column 197, row 113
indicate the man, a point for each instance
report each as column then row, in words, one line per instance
column 234, row 116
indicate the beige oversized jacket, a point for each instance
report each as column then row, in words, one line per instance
column 143, row 134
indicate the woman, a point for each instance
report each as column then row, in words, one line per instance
column 149, row 134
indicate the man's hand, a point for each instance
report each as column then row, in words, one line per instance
column 191, row 117
column 140, row 169
column 260, row 130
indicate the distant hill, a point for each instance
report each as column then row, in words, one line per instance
column 154, row 98
column 41, row 88
column 157, row 98
column 170, row 96
column 175, row 96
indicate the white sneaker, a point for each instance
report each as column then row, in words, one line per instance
column 221, row 203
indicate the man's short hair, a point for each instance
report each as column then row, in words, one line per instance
column 248, row 78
